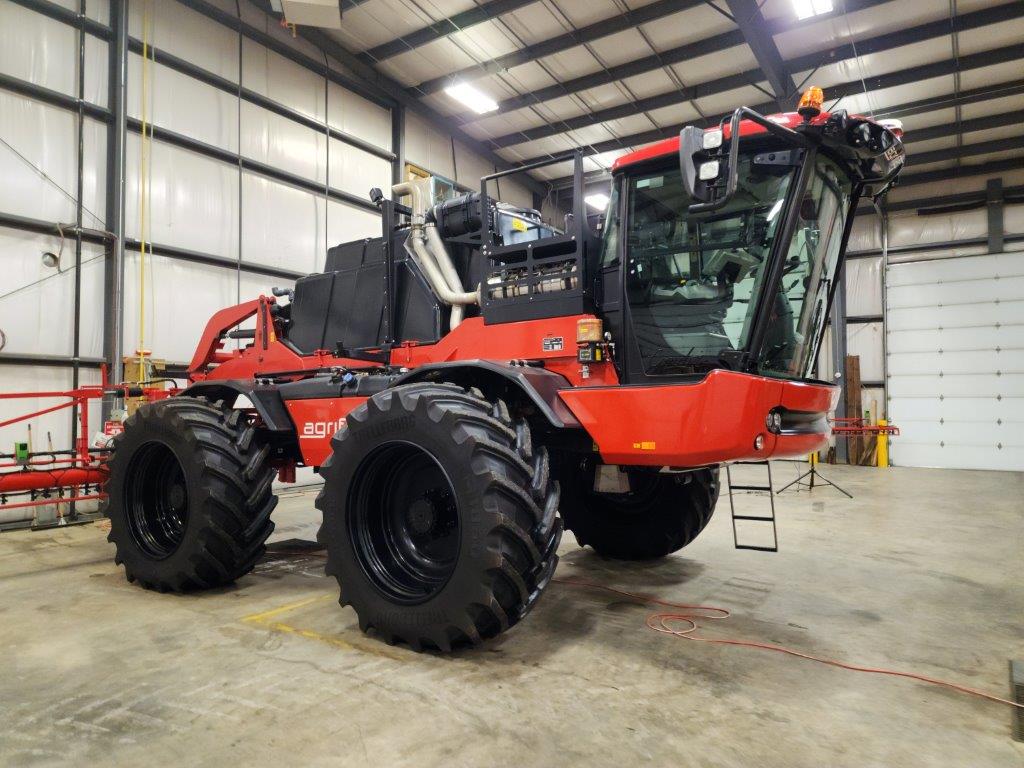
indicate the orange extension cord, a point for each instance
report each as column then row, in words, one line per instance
column 664, row 622
column 660, row 622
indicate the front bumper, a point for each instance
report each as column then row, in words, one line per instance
column 715, row 420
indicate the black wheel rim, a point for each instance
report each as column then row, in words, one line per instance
column 403, row 522
column 156, row 500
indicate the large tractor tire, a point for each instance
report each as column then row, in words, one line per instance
column 189, row 495
column 439, row 516
column 659, row 515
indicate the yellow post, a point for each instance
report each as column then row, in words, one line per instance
column 882, row 443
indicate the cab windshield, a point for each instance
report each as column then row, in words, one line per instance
column 693, row 281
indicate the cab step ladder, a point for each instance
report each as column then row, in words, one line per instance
column 753, row 489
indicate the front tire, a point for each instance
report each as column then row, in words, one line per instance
column 439, row 517
column 189, row 495
column 661, row 514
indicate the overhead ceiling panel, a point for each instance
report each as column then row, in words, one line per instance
column 993, row 36
column 920, row 147
column 703, row 68
column 580, row 13
column 993, row 106
column 932, row 117
column 571, row 62
column 603, row 96
column 534, row 23
column 872, row 65
column 380, row 21
column 428, row 61
column 725, row 102
column 619, row 48
column 886, row 98
column 857, row 26
column 685, row 27
column 650, row 83
column 527, row 78
column 998, row 73
column 676, row 115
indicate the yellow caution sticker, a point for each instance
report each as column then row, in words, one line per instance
column 646, row 445
column 519, row 225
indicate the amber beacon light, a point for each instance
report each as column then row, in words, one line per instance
column 811, row 102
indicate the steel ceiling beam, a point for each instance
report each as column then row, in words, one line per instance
column 801, row 64
column 747, row 14
column 442, row 28
column 732, row 38
column 709, row 45
column 623, row 21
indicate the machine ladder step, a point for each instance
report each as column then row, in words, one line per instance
column 758, row 489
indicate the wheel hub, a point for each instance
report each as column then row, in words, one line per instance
column 422, row 516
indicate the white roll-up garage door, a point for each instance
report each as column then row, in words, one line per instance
column 956, row 362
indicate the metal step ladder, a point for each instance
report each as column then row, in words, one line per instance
column 753, row 518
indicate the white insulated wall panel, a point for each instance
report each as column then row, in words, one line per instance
column 274, row 140
column 864, row 286
column 187, row 34
column 956, row 362
column 282, row 80
column 47, row 139
column 356, row 171
column 193, row 199
column 96, row 80
column 183, row 104
column 865, row 341
column 38, row 49
column 362, row 118
column 428, row 147
column 282, row 226
column 37, row 303
column 171, row 285
column 470, row 167
column 97, row 10
column 346, row 223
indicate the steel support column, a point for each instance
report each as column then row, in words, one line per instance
column 994, row 201
column 838, row 324
column 113, row 272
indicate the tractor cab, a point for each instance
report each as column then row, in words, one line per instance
column 722, row 252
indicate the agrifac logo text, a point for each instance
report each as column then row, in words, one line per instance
column 321, row 429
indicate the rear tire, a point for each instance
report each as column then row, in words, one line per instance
column 189, row 495
column 662, row 513
column 439, row 517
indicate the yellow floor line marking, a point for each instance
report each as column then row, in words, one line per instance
column 259, row 617
column 265, row 620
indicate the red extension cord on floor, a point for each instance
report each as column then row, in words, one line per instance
column 666, row 621
column 663, row 622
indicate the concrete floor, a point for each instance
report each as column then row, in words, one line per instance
column 921, row 571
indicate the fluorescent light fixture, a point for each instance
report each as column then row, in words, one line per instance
column 474, row 98
column 806, row 9
column 598, row 200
